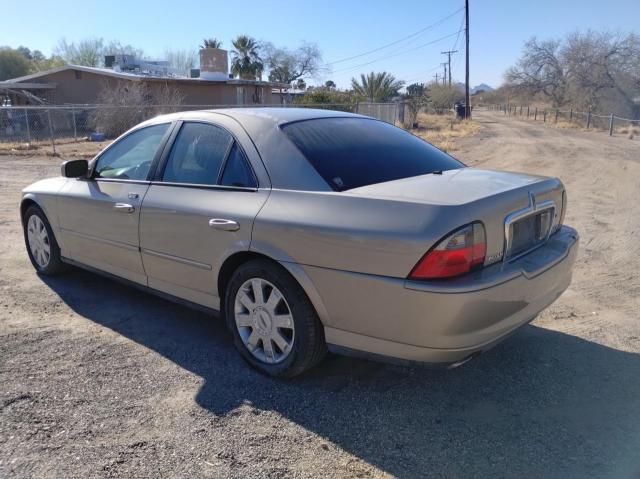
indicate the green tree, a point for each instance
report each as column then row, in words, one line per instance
column 13, row 64
column 25, row 52
column 301, row 84
column 376, row 87
column 332, row 99
column 211, row 43
column 329, row 84
column 246, row 62
column 416, row 90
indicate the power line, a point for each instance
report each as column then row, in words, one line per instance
column 422, row 76
column 455, row 44
column 398, row 41
column 394, row 55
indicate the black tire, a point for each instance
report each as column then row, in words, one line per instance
column 309, row 347
column 55, row 265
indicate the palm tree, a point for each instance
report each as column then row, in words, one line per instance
column 211, row 43
column 376, row 86
column 245, row 58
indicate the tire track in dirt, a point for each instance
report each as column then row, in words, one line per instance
column 601, row 175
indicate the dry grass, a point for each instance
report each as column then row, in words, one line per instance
column 630, row 131
column 443, row 130
column 65, row 148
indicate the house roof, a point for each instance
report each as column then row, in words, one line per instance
column 135, row 77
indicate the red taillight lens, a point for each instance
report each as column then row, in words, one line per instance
column 457, row 254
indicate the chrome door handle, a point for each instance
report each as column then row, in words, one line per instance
column 224, row 225
column 124, row 208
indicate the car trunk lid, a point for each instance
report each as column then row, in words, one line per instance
column 519, row 211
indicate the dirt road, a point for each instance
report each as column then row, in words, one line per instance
column 98, row 380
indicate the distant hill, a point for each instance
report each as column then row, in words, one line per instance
column 475, row 89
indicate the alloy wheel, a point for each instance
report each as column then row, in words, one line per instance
column 264, row 321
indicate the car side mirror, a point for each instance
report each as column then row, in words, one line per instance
column 75, row 168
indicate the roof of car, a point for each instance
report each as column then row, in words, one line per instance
column 280, row 115
column 286, row 166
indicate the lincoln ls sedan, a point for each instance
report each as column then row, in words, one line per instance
column 311, row 231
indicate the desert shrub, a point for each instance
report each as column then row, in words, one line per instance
column 125, row 104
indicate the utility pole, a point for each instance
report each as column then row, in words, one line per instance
column 444, row 78
column 449, row 52
column 436, row 77
column 467, row 106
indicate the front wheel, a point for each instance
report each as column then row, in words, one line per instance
column 42, row 246
column 273, row 323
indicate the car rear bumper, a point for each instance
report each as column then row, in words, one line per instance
column 442, row 322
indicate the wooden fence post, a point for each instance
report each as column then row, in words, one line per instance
column 544, row 116
column 520, row 110
column 571, row 114
column 535, row 115
column 527, row 111
column 611, row 124
column 556, row 116
column 588, row 119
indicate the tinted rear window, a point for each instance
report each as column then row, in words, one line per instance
column 353, row 152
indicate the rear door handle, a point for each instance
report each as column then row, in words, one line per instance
column 124, row 208
column 224, row 225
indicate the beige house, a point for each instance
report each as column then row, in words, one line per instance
column 80, row 85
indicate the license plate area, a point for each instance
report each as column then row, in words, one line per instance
column 527, row 232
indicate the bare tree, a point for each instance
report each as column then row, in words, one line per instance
column 287, row 66
column 601, row 66
column 88, row 52
column 123, row 104
column 540, row 69
column 117, row 48
column 588, row 70
column 183, row 60
column 443, row 97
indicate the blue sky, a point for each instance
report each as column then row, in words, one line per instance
column 342, row 29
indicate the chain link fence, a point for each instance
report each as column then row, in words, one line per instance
column 610, row 123
column 33, row 126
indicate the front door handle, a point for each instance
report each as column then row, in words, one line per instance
column 224, row 225
column 124, row 208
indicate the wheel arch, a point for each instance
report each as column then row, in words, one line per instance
column 233, row 262
column 28, row 201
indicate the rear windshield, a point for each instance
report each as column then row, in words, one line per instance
column 353, row 152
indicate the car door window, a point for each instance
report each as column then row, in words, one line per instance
column 130, row 158
column 197, row 154
column 237, row 171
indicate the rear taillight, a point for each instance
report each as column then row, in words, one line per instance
column 455, row 255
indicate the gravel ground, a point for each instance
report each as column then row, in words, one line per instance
column 99, row 380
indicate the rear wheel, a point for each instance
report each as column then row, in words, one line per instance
column 42, row 246
column 273, row 323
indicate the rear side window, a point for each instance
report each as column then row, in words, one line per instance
column 197, row 154
column 237, row 171
column 353, row 152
